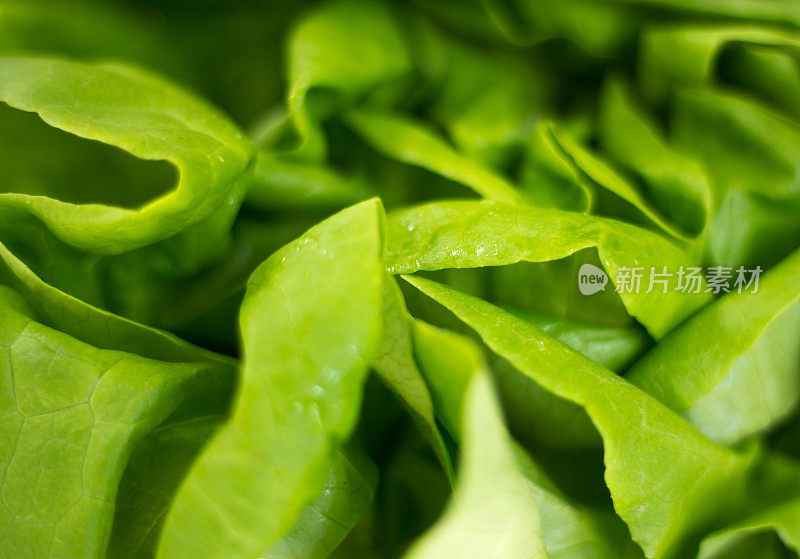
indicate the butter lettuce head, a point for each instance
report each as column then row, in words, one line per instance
column 303, row 280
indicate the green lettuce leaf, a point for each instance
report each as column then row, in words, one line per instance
column 157, row 465
column 753, row 535
column 413, row 144
column 752, row 164
column 396, row 366
column 114, row 257
column 127, row 108
column 324, row 524
column 732, row 370
column 321, row 77
column 653, row 457
column 559, row 408
column 307, row 356
column 473, row 234
column 549, row 176
column 71, row 415
column 675, row 183
column 278, row 183
column 492, row 513
column 598, row 172
column 569, row 531
column 94, row 326
column 690, row 55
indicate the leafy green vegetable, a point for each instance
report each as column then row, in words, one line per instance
column 176, row 233
column 278, row 183
column 324, row 524
column 782, row 519
column 741, row 380
column 290, row 413
column 71, row 413
column 395, row 364
column 155, row 469
column 417, row 146
column 599, row 172
column 471, row 234
column 493, row 512
column 357, row 64
column 614, row 347
column 450, row 362
column 662, row 448
column 140, row 114
column 674, row 181
column 205, row 352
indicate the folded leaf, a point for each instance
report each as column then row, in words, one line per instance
column 732, row 370
column 653, row 457
column 360, row 62
column 492, row 513
column 569, row 531
column 159, row 463
column 487, row 100
column 94, row 326
column 607, row 28
column 749, row 153
column 598, row 27
column 143, row 115
column 396, row 367
column 122, row 259
column 732, row 542
column 594, row 169
column 154, row 472
column 277, row 183
column 325, row 523
column 689, row 54
column 674, row 183
column 473, row 234
column 411, row 143
column 311, row 325
column 549, row 177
